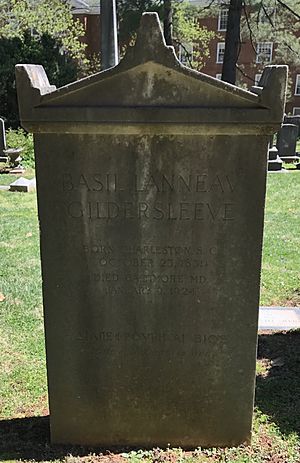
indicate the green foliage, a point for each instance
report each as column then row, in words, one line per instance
column 187, row 30
column 281, row 260
column 53, row 19
column 20, row 139
column 54, row 44
column 61, row 69
column 277, row 22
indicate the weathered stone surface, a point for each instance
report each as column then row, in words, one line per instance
column 23, row 185
column 151, row 234
column 286, row 140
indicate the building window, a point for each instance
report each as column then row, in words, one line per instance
column 264, row 52
column 219, row 76
column 222, row 20
column 297, row 86
column 185, row 53
column 257, row 79
column 296, row 111
column 220, row 52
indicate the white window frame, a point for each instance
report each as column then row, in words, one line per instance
column 296, row 111
column 297, row 85
column 220, row 46
column 261, row 55
column 219, row 76
column 257, row 78
column 182, row 56
column 223, row 17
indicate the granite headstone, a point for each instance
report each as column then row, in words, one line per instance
column 151, row 185
column 295, row 120
column 286, row 141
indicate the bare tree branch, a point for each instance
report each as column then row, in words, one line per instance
column 188, row 54
column 267, row 15
column 249, row 28
column 245, row 74
column 284, row 5
column 207, row 6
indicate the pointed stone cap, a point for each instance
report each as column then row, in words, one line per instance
column 150, row 45
column 149, row 86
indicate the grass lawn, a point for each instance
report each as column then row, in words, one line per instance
column 7, row 179
column 23, row 396
column 280, row 284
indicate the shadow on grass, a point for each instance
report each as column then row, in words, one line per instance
column 29, row 439
column 278, row 393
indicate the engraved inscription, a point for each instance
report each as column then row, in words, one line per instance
column 153, row 197
column 150, row 270
column 160, row 183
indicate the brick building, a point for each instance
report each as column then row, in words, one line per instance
column 88, row 13
column 250, row 62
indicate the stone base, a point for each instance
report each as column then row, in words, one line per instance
column 17, row 170
column 23, row 185
column 274, row 164
column 273, row 153
column 290, row 159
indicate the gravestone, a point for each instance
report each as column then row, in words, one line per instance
column 274, row 161
column 286, row 141
column 23, row 185
column 295, row 120
column 151, row 184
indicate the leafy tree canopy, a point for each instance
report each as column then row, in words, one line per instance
column 37, row 32
column 42, row 17
column 274, row 21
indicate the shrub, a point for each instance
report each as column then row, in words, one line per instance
column 21, row 139
column 60, row 68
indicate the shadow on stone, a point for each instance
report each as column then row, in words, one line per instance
column 278, row 392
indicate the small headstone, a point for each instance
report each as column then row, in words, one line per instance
column 23, row 185
column 151, row 238
column 274, row 161
column 286, row 141
column 279, row 318
column 273, row 153
column 295, row 120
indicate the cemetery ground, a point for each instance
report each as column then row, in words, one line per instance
column 23, row 395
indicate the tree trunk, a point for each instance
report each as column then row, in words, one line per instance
column 232, row 41
column 109, row 38
column 168, row 22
